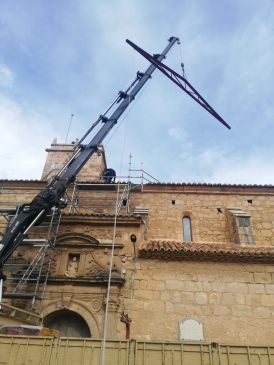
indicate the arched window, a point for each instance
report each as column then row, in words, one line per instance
column 187, row 234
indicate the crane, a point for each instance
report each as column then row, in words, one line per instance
column 33, row 213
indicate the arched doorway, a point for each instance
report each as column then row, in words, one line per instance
column 68, row 323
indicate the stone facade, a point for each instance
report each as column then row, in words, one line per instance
column 59, row 155
column 223, row 282
column 234, row 301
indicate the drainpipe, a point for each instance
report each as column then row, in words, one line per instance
column 125, row 319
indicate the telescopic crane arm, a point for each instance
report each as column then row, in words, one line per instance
column 53, row 194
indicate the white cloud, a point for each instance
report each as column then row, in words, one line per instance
column 219, row 166
column 250, row 67
column 177, row 133
column 6, row 76
column 255, row 170
column 24, row 135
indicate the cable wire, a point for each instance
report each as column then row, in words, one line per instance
column 181, row 59
column 103, row 347
column 117, row 211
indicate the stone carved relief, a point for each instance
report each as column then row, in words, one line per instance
column 73, row 266
column 73, row 238
column 55, row 257
column 114, row 302
column 96, row 305
column 95, row 268
column 66, row 299
column 78, row 256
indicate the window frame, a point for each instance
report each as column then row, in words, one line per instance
column 187, row 231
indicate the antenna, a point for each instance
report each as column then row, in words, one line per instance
column 179, row 81
column 71, row 116
column 129, row 166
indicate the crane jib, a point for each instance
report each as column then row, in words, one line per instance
column 179, row 81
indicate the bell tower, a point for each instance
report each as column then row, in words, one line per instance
column 60, row 153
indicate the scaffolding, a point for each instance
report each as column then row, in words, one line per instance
column 98, row 197
column 26, row 281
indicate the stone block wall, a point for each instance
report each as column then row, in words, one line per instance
column 201, row 203
column 235, row 302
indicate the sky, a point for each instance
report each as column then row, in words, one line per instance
column 65, row 57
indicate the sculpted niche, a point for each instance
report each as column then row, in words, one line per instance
column 81, row 257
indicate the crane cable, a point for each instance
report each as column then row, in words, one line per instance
column 117, row 211
column 102, row 355
column 181, row 59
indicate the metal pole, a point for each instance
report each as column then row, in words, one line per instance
column 1, row 289
column 71, row 116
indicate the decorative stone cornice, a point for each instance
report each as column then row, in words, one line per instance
column 102, row 219
column 101, row 280
column 203, row 188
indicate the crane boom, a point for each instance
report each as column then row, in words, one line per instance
column 30, row 214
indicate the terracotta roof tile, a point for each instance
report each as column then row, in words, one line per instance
column 22, row 180
column 210, row 184
column 193, row 184
column 176, row 250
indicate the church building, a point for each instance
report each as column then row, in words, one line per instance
column 144, row 261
